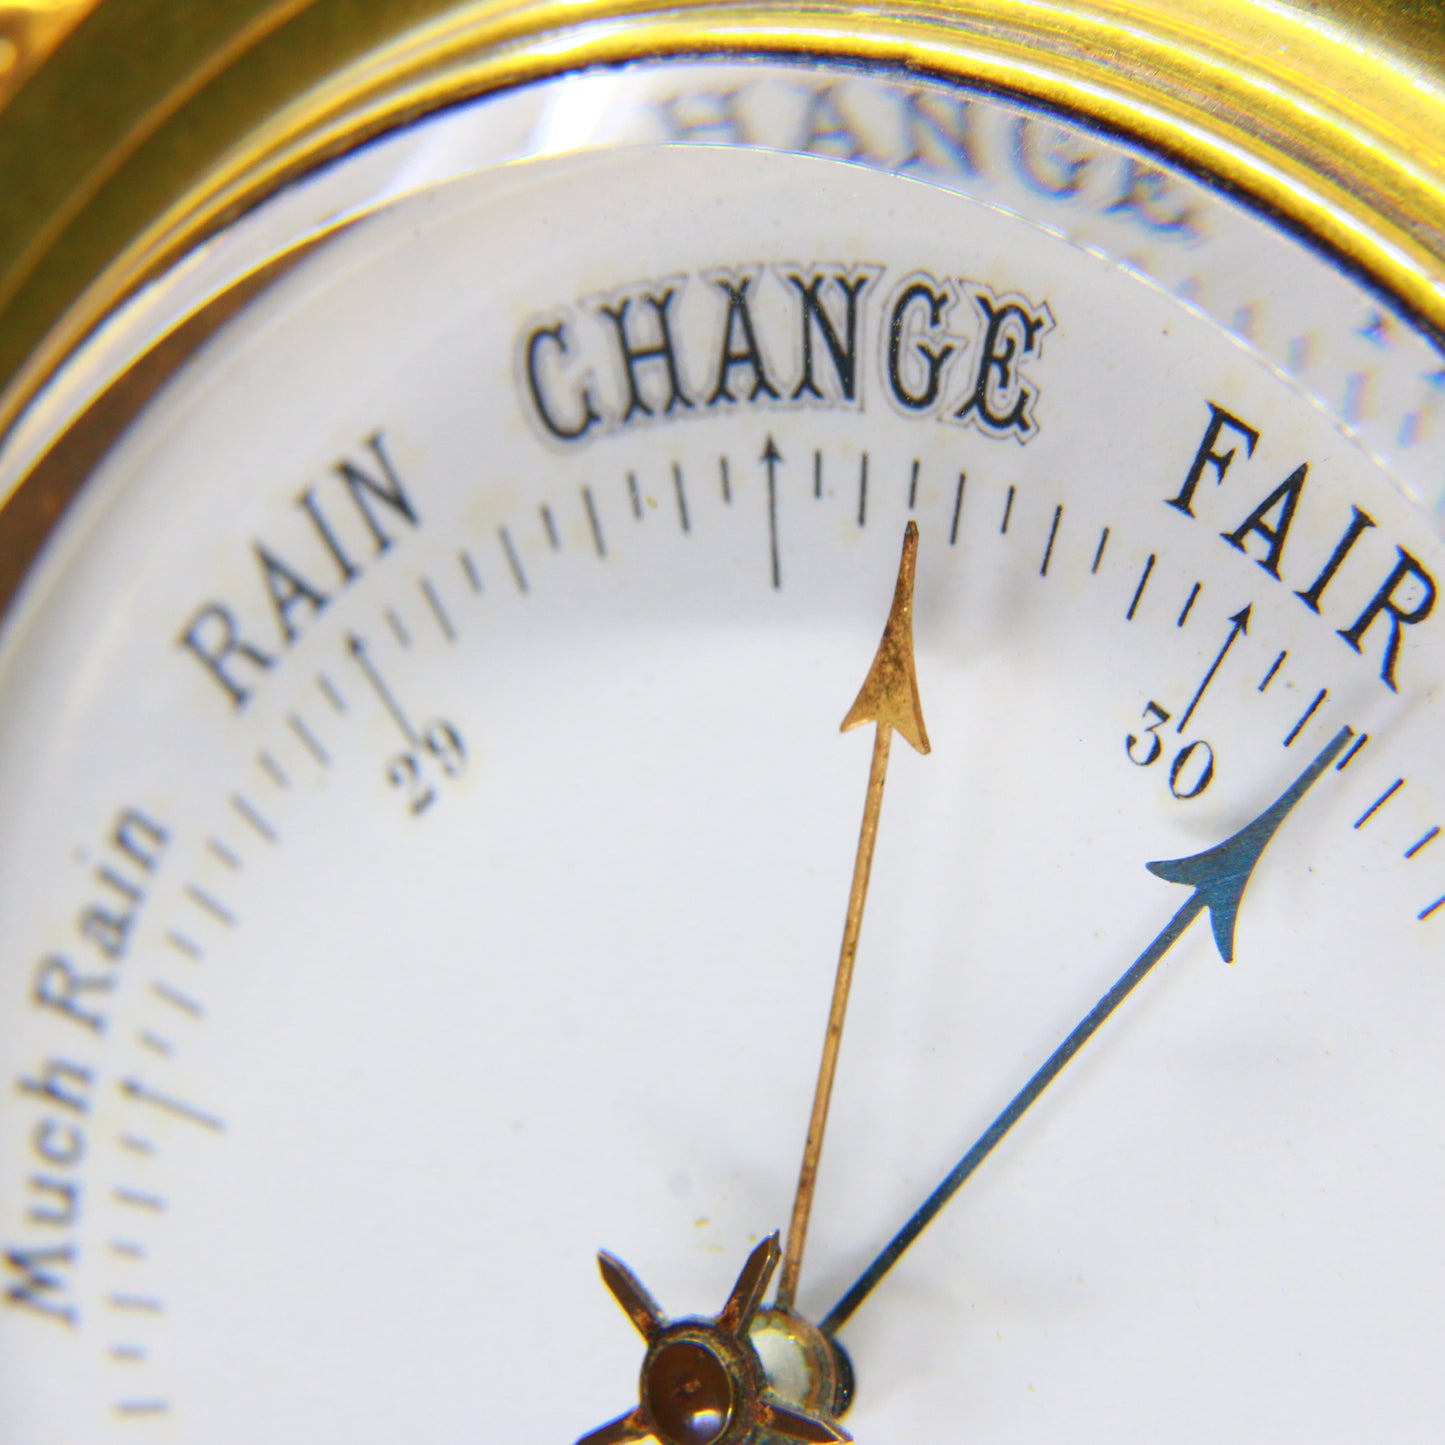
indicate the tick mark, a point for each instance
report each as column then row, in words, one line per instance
column 173, row 996
column 211, row 904
column 1008, row 507
column 1049, row 550
column 272, row 769
column 725, row 481
column 155, row 1043
column 681, row 499
column 549, row 523
column 433, row 601
column 469, row 571
column 137, row 1199
column 913, row 486
column 140, row 1303
column 127, row 1354
column 329, row 692
column 219, row 850
column 127, row 1249
column 183, row 944
column 957, row 509
column 817, row 476
column 1310, row 711
column 1423, row 843
column 1188, row 606
column 254, row 819
column 635, row 494
column 863, row 491
column 1099, row 554
column 1380, row 802
column 513, row 561
column 1139, row 590
column 1435, row 907
column 142, row 1407
column 134, row 1144
column 398, row 630
column 308, row 740
column 144, row 1094
column 591, row 509
column 1269, row 676
column 1345, row 761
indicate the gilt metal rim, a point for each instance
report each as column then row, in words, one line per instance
column 1326, row 117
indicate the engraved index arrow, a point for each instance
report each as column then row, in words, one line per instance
column 888, row 698
column 357, row 648
column 772, row 458
column 1241, row 624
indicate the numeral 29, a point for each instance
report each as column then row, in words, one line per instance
column 440, row 754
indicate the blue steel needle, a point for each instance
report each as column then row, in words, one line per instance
column 1218, row 877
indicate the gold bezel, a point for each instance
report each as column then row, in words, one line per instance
column 1327, row 118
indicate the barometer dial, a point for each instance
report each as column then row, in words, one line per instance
column 425, row 828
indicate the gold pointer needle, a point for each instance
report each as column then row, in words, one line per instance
column 888, row 698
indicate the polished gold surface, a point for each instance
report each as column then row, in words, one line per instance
column 888, row 699
column 29, row 32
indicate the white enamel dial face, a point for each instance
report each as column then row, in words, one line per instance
column 426, row 831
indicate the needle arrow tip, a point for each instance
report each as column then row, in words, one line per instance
column 889, row 695
column 1220, row 874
